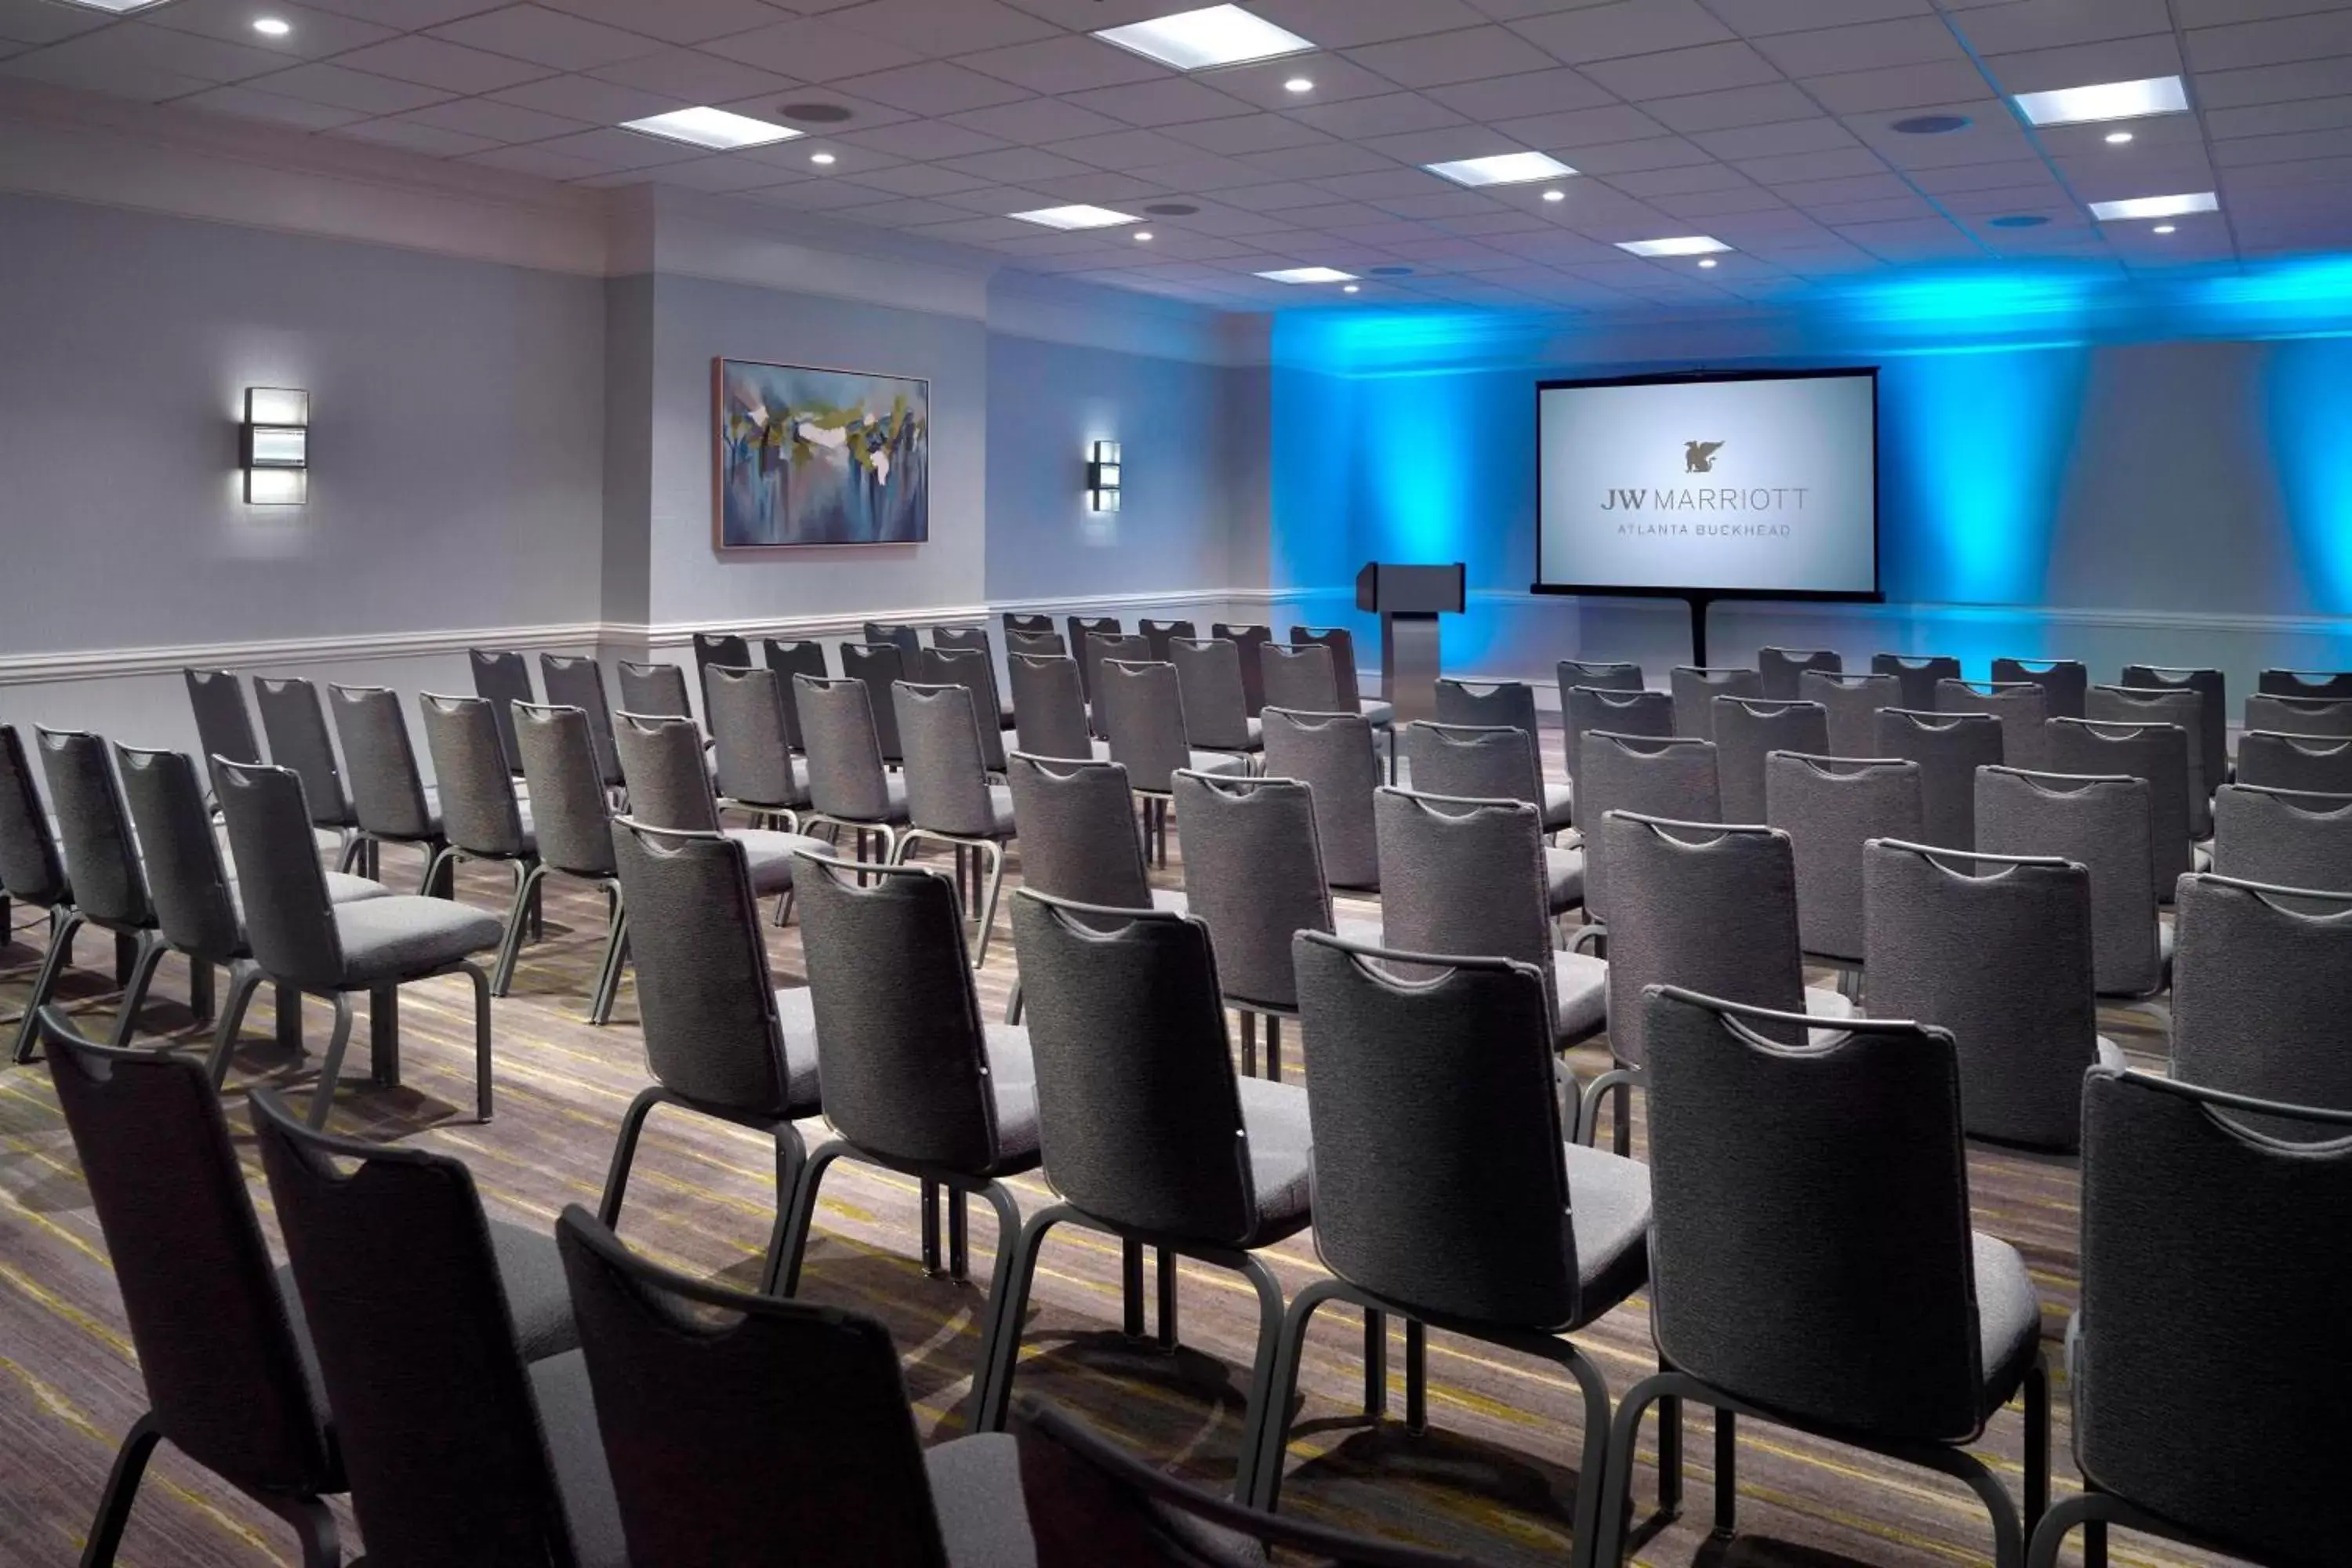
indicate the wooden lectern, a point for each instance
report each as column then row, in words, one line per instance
column 1409, row 599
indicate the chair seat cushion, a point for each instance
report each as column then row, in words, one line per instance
column 401, row 935
column 576, row 1453
column 1013, row 1077
column 1556, row 807
column 1171, row 899
column 2009, row 1319
column 343, row 890
column 1363, row 930
column 796, row 1011
column 768, row 855
column 1608, row 1210
column 1281, row 1151
column 1563, row 879
column 1217, row 762
column 2111, row 1055
column 1378, row 714
column 984, row 1513
column 999, row 809
column 1581, row 983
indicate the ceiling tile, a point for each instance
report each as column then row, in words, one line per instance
column 2125, row 59
column 934, row 86
column 1104, row 187
column 1247, row 133
column 2273, row 43
column 145, row 83
column 1121, row 149
column 1530, row 93
column 937, row 29
column 1680, row 72
column 904, row 214
column 586, row 98
column 1872, row 46
column 1015, row 165
column 1265, row 82
column 1582, row 128
column 1852, row 188
column 1626, row 27
column 922, row 139
column 812, row 50
column 341, row 89
column 722, row 174
column 1446, row 145
column 430, row 140
column 246, row 103
column 435, row 62
column 407, row 14
column 553, row 38
column 536, row 161
column 1036, row 119
column 2280, row 119
column 1769, row 104
column 1385, row 116
column 1168, row 101
column 487, row 118
column 1207, row 172
column 1345, row 24
column 1680, row 180
column 1717, row 203
column 1470, row 55
column 2023, row 24
column 1760, row 18
column 1826, row 164
column 784, row 107
column 1902, row 88
column 693, row 76
column 1654, row 152
column 315, row 35
column 1313, row 163
column 39, row 21
column 978, row 230
column 1066, row 65
column 2270, row 84
column 611, row 148
column 137, row 46
column 674, row 21
column 918, row 180
column 1879, row 209
column 1775, row 140
column 1274, row 197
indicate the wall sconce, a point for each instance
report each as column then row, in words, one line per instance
column 1102, row 478
column 274, row 445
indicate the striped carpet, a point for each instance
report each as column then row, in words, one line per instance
column 1492, row 1478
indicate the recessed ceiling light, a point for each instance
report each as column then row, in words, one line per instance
column 1353, row 289
column 1300, row 84
column 2105, row 100
column 2156, row 206
column 272, row 26
column 1555, row 195
column 114, row 7
column 1143, row 236
column 1308, row 275
column 1213, row 35
column 1683, row 244
column 2117, row 138
column 1709, row 261
column 825, row 158
column 712, row 128
column 1931, row 124
column 1079, row 217
column 2162, row 228
column 1502, row 169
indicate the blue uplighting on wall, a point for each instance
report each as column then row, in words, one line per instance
column 1968, row 308
column 2304, row 298
column 2308, row 416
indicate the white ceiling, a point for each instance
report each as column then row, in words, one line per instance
column 1764, row 122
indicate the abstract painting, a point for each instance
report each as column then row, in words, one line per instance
column 820, row 456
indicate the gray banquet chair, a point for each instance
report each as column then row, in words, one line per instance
column 2102, row 825
column 1081, row 630
column 1674, row 776
column 2283, row 836
column 670, row 788
column 1342, row 644
column 1620, row 712
column 1783, row 669
column 1917, row 676
column 296, row 723
column 949, row 799
column 1852, row 702
column 2212, row 688
column 1078, row 839
column 1995, row 950
column 2281, row 714
column 1336, row 756
column 1754, row 1301
column 573, row 819
column 100, row 855
column 1950, row 748
column 2181, row 707
column 387, row 791
column 974, row 670
column 2332, row 685
column 1496, row 761
column 1465, row 879
column 2318, row 764
column 2195, row 1233
column 849, row 785
column 1157, row 635
column 1216, row 710
column 1301, row 679
column 577, row 680
column 879, row 666
column 1253, row 874
column 1507, row 704
column 32, row 872
column 1250, row 640
column 720, row 1040
column 908, row 640
column 787, row 658
column 657, row 690
column 479, row 814
column 1748, row 729
column 1447, row 1192
column 2066, row 679
column 501, row 679
column 303, row 942
column 1041, row 644
column 1829, row 806
column 223, row 721
column 1142, row 707
column 2156, row 752
column 1049, row 708
column 752, row 739
column 715, row 650
column 1148, row 1133
column 2019, row 705
column 1602, row 675
column 2260, row 986
column 1015, row 624
column 1695, row 690
column 1097, row 648
column 482, row 1448
column 914, row 1081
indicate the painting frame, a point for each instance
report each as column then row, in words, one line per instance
column 741, row 479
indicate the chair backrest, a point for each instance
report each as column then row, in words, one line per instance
column 1995, row 950
column 1757, row 1219
column 788, row 660
column 2066, row 679
column 1209, row 680
column 1254, row 876
column 1491, row 761
column 2157, row 753
column 2196, row 1234
column 879, row 666
column 102, row 854
column 2260, row 980
column 751, row 741
column 30, row 866
column 715, row 649
column 1917, row 676
column 974, row 670
column 435, row 1416
column 708, row 1001
column 1250, row 641
column 1342, row 644
column 1620, row 712
column 947, row 772
column 1019, row 625
column 1747, row 729
column 1695, row 690
column 1139, row 1115
column 2319, row 764
column 217, row 1349
column 1829, row 806
column 2103, row 825
column 735, row 1423
column 1783, row 669
column 2212, row 686
column 224, row 724
column 839, row 726
column 1083, row 630
column 296, row 723
column 1301, row 678
column 669, row 783
column 1439, row 1177
column 2282, row 835
column 1159, row 634
column 387, row 791
column 502, row 678
column 479, row 812
column 1672, row 777
column 186, row 879
column 1950, row 748
column 1334, row 755
column 900, row 1043
column 1852, row 703
column 906, row 640
column 1099, row 647
column 960, row 639
column 1078, row 839
column 1142, row 710
column 1464, row 879
column 577, row 680
column 1047, row 641
column 1709, row 908
column 2019, row 705
column 655, row 690
column 570, row 811
column 2335, row 685
column 2183, row 707
column 1049, row 706
column 2283, row 715
column 288, row 920
column 1486, row 703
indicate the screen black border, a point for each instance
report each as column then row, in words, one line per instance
column 1877, row 594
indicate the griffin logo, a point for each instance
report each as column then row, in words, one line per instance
column 1698, row 456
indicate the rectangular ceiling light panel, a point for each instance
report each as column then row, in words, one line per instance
column 1502, row 169
column 712, row 128
column 1079, row 217
column 1683, row 244
column 1213, row 35
column 1308, row 275
column 2105, row 100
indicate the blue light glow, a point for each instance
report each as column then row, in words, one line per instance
column 1972, row 307
column 2308, row 409
column 2300, row 297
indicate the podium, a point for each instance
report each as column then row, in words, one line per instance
column 1409, row 599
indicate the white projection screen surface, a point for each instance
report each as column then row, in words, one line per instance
column 1760, row 485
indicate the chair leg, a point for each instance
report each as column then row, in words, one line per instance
column 1013, row 1003
column 2050, row 1535
column 148, row 958
column 434, row 860
column 1670, row 1454
column 288, row 1022
column 482, row 1091
column 928, row 1195
column 1726, row 1472
column 1002, row 1340
column 60, row 953
column 1000, row 1284
column 1274, row 1047
column 1131, row 1281
column 1622, row 1114
column 1261, row 1392
column 1376, row 1363
column 803, row 1217
column 527, row 883
column 616, row 1176
column 201, row 1000
column 323, row 1099
column 121, row 1490
column 1273, row 1418
column 1168, row 1322
column 1249, row 1043
column 244, row 980
column 313, row 1525
column 995, row 852
column 1614, row 1502
column 792, row 1159
column 958, row 1236
column 617, row 961
column 2037, row 1444
column 1593, row 1464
